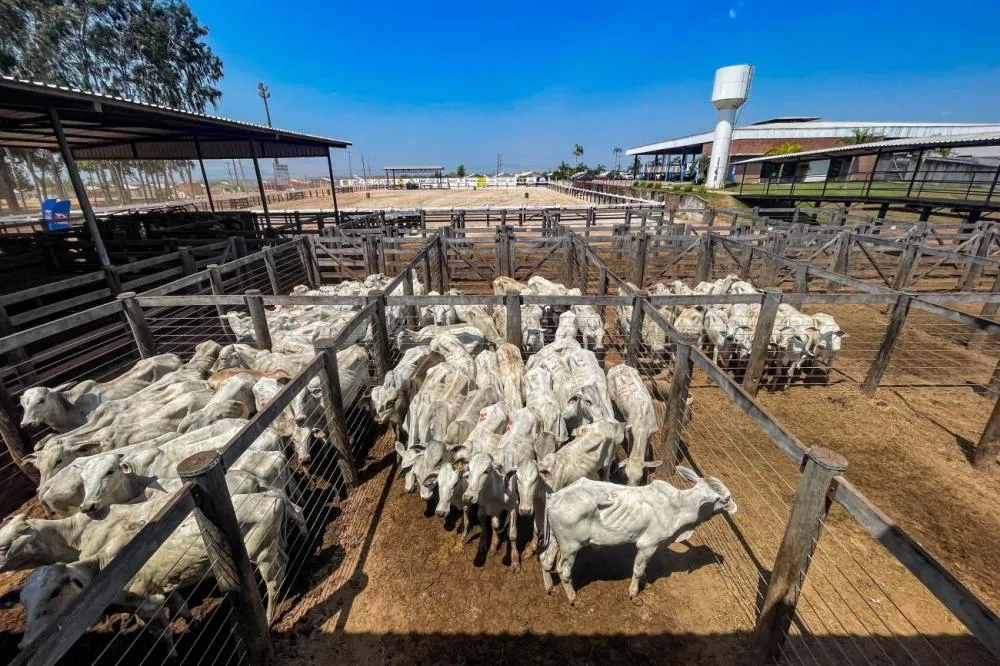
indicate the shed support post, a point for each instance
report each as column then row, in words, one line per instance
column 635, row 329
column 260, row 184
column 333, row 186
column 220, row 531
column 78, row 187
column 513, row 304
column 878, row 367
column 272, row 271
column 677, row 407
column 761, row 341
column 218, row 288
column 336, row 421
column 261, row 333
column 204, row 176
column 802, row 533
column 382, row 365
column 137, row 322
column 905, row 268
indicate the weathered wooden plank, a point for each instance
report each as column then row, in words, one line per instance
column 138, row 283
column 22, row 338
column 60, row 306
column 51, row 288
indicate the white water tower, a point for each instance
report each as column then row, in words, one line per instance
column 732, row 85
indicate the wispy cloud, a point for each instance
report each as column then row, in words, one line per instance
column 732, row 13
column 946, row 113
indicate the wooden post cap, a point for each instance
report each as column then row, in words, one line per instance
column 212, row 266
column 827, row 458
column 252, row 292
column 197, row 464
column 125, row 294
column 324, row 343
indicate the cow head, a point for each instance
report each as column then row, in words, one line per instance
column 19, row 543
column 526, row 477
column 48, row 591
column 716, row 496
column 104, row 482
column 482, row 471
column 449, row 476
column 384, row 402
column 37, row 403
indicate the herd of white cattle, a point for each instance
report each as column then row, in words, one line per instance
column 484, row 429
column 727, row 330
column 481, row 427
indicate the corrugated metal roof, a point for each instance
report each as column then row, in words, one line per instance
column 820, row 129
column 99, row 125
column 991, row 138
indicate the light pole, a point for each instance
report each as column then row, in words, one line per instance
column 265, row 94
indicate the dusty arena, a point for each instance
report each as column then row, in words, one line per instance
column 510, row 197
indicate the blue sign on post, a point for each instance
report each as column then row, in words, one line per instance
column 55, row 214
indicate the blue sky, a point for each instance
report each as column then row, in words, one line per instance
column 449, row 83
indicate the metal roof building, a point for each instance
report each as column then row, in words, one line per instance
column 88, row 125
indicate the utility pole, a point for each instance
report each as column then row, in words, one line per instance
column 265, row 94
column 350, row 169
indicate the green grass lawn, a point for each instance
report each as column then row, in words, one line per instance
column 879, row 188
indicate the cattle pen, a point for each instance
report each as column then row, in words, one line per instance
column 809, row 570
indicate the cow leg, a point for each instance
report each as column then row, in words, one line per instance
column 465, row 522
column 495, row 523
column 515, row 557
column 272, row 563
column 565, row 575
column 548, row 560
column 639, row 569
column 484, row 530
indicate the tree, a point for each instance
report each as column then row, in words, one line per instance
column 149, row 50
column 943, row 151
column 861, row 135
column 460, row 171
column 577, row 153
column 785, row 149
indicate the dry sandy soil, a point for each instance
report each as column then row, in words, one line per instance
column 456, row 198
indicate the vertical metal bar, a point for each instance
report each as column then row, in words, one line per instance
column 802, row 533
column 137, row 322
column 78, row 187
column 871, row 174
column 916, row 170
column 204, row 176
column 220, row 531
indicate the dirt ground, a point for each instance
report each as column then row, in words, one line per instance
column 512, row 197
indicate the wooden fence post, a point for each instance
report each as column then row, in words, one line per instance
column 382, row 363
column 313, row 260
column 802, row 278
column 188, row 265
column 776, row 247
column 137, row 322
column 336, row 421
column 18, row 444
column 878, row 367
column 272, row 271
column 412, row 313
column 804, row 528
column 635, row 329
column 261, row 333
column 17, row 357
column 512, row 302
column 975, row 270
column 567, row 253
column 443, row 279
column 427, row 270
column 220, row 531
column 838, row 262
column 761, row 341
column 905, row 268
column 706, row 251
column 218, row 287
column 581, row 260
column 680, row 384
column 639, row 259
column 300, row 249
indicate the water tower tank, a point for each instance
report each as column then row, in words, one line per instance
column 732, row 85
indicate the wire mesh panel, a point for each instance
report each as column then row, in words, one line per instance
column 289, row 270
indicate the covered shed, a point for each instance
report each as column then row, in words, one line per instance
column 393, row 173
column 93, row 126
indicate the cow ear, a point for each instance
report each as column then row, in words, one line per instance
column 400, row 449
column 126, row 467
column 499, row 469
column 621, row 464
column 687, row 473
column 840, row 334
column 652, row 464
column 431, row 479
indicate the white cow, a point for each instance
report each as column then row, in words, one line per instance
column 604, row 514
column 538, row 395
column 591, row 452
column 588, row 400
column 490, row 487
column 567, row 326
column 629, row 394
column 511, row 369
column 67, row 406
column 588, row 322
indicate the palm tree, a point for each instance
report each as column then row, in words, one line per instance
column 861, row 135
column 577, row 153
column 785, row 149
column 618, row 153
